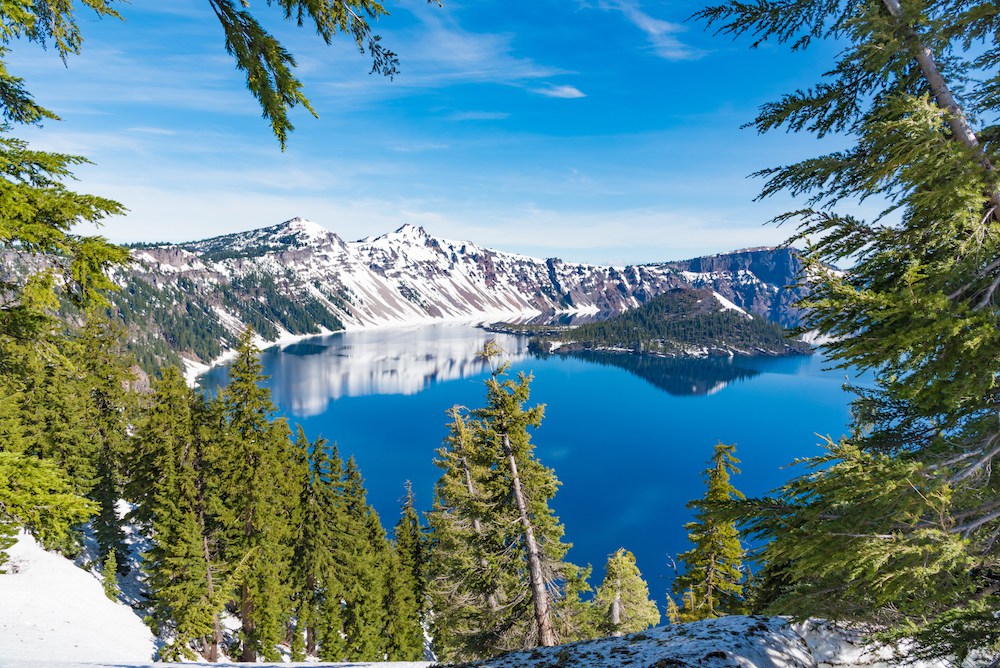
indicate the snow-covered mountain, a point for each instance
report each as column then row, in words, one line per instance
column 299, row 278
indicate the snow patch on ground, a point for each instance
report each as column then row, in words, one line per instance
column 728, row 642
column 52, row 612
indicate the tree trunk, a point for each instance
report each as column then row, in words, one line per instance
column 616, row 608
column 248, row 654
column 491, row 599
column 310, row 640
column 540, row 597
column 960, row 127
column 311, row 621
column 213, row 645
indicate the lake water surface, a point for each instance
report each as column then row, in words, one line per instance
column 628, row 436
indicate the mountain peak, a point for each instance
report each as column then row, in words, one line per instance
column 305, row 228
column 411, row 230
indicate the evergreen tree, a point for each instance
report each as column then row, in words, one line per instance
column 34, row 494
column 712, row 584
column 576, row 617
column 99, row 354
column 316, row 567
column 366, row 563
column 180, row 441
column 896, row 525
column 404, row 634
column 498, row 570
column 407, row 585
column 623, row 597
column 256, row 497
column 109, row 576
column 463, row 580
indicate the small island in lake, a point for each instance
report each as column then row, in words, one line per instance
column 684, row 322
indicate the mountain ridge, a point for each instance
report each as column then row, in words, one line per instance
column 189, row 300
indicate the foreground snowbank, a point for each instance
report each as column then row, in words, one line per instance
column 54, row 614
column 728, row 642
column 51, row 611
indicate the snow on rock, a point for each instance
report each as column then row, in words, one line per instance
column 728, row 642
column 52, row 612
column 834, row 646
column 729, row 306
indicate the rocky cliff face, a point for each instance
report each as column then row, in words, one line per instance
column 758, row 280
column 298, row 277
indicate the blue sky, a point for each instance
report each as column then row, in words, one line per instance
column 604, row 131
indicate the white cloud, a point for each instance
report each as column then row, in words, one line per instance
column 564, row 92
column 478, row 116
column 662, row 35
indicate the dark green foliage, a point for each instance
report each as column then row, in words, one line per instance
column 681, row 322
column 103, row 365
column 481, row 567
column 622, row 600
column 164, row 321
column 909, row 498
column 268, row 65
column 575, row 615
column 316, row 564
column 712, row 582
column 366, row 563
column 257, row 500
column 109, row 576
column 47, row 401
column 176, row 477
column 35, row 495
column 407, row 600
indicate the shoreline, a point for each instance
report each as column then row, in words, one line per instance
column 194, row 370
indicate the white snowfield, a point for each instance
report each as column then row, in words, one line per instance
column 54, row 614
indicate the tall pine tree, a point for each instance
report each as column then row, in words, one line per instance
column 316, row 569
column 180, row 440
column 365, row 556
column 896, row 525
column 712, row 582
column 406, row 602
column 256, row 501
column 498, row 569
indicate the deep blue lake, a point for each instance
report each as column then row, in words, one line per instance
column 628, row 436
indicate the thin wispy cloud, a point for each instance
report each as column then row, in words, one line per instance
column 564, row 92
column 478, row 116
column 662, row 35
column 416, row 147
column 438, row 53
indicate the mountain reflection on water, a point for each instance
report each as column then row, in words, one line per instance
column 307, row 376
column 678, row 376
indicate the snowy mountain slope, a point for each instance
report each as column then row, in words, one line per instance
column 298, row 278
column 756, row 280
column 53, row 612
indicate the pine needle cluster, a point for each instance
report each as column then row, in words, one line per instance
column 897, row 524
